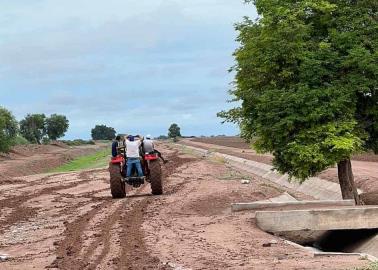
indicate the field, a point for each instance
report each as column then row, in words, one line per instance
column 365, row 165
column 68, row 220
column 237, row 142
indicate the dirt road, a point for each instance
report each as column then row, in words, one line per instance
column 69, row 221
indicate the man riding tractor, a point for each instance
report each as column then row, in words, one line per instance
column 133, row 145
column 148, row 146
column 133, row 166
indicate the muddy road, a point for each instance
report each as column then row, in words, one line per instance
column 69, row 221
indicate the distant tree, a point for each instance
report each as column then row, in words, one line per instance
column 8, row 130
column 306, row 79
column 32, row 127
column 174, row 131
column 56, row 126
column 102, row 132
column 162, row 137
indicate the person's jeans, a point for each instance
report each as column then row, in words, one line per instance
column 131, row 162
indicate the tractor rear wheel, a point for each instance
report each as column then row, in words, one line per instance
column 117, row 186
column 156, row 177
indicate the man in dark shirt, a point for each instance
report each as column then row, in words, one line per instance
column 115, row 146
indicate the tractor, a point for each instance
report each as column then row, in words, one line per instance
column 151, row 170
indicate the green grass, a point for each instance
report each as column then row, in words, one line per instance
column 97, row 160
column 218, row 159
column 234, row 175
column 372, row 266
column 19, row 140
column 78, row 142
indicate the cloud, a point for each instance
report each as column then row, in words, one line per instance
column 131, row 64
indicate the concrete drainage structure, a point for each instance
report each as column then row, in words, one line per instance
column 332, row 225
column 235, row 207
column 345, row 229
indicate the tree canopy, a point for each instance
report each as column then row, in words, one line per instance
column 56, row 126
column 306, row 76
column 8, row 130
column 102, row 132
column 174, row 131
column 32, row 127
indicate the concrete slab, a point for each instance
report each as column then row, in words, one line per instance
column 318, row 219
column 369, row 246
column 310, row 204
column 284, row 197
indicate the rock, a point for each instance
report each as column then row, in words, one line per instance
column 4, row 257
column 270, row 243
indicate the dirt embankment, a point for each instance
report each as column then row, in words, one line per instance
column 239, row 143
column 69, row 221
column 365, row 166
column 33, row 159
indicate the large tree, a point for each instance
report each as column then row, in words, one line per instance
column 174, row 131
column 32, row 127
column 8, row 130
column 56, row 126
column 306, row 77
column 102, row 132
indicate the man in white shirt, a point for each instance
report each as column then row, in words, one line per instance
column 133, row 155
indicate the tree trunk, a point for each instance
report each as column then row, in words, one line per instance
column 346, row 180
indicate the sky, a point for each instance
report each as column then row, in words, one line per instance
column 137, row 66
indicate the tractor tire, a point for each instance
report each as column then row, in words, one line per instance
column 156, row 177
column 117, row 186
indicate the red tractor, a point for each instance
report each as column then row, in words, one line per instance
column 151, row 170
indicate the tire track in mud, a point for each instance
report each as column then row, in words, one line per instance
column 20, row 212
column 68, row 251
column 93, row 230
column 71, row 252
column 125, row 220
column 103, row 239
column 135, row 254
column 50, row 207
column 23, row 213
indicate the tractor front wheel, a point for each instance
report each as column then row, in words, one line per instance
column 156, row 177
column 117, row 186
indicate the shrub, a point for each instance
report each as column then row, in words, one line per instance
column 8, row 130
